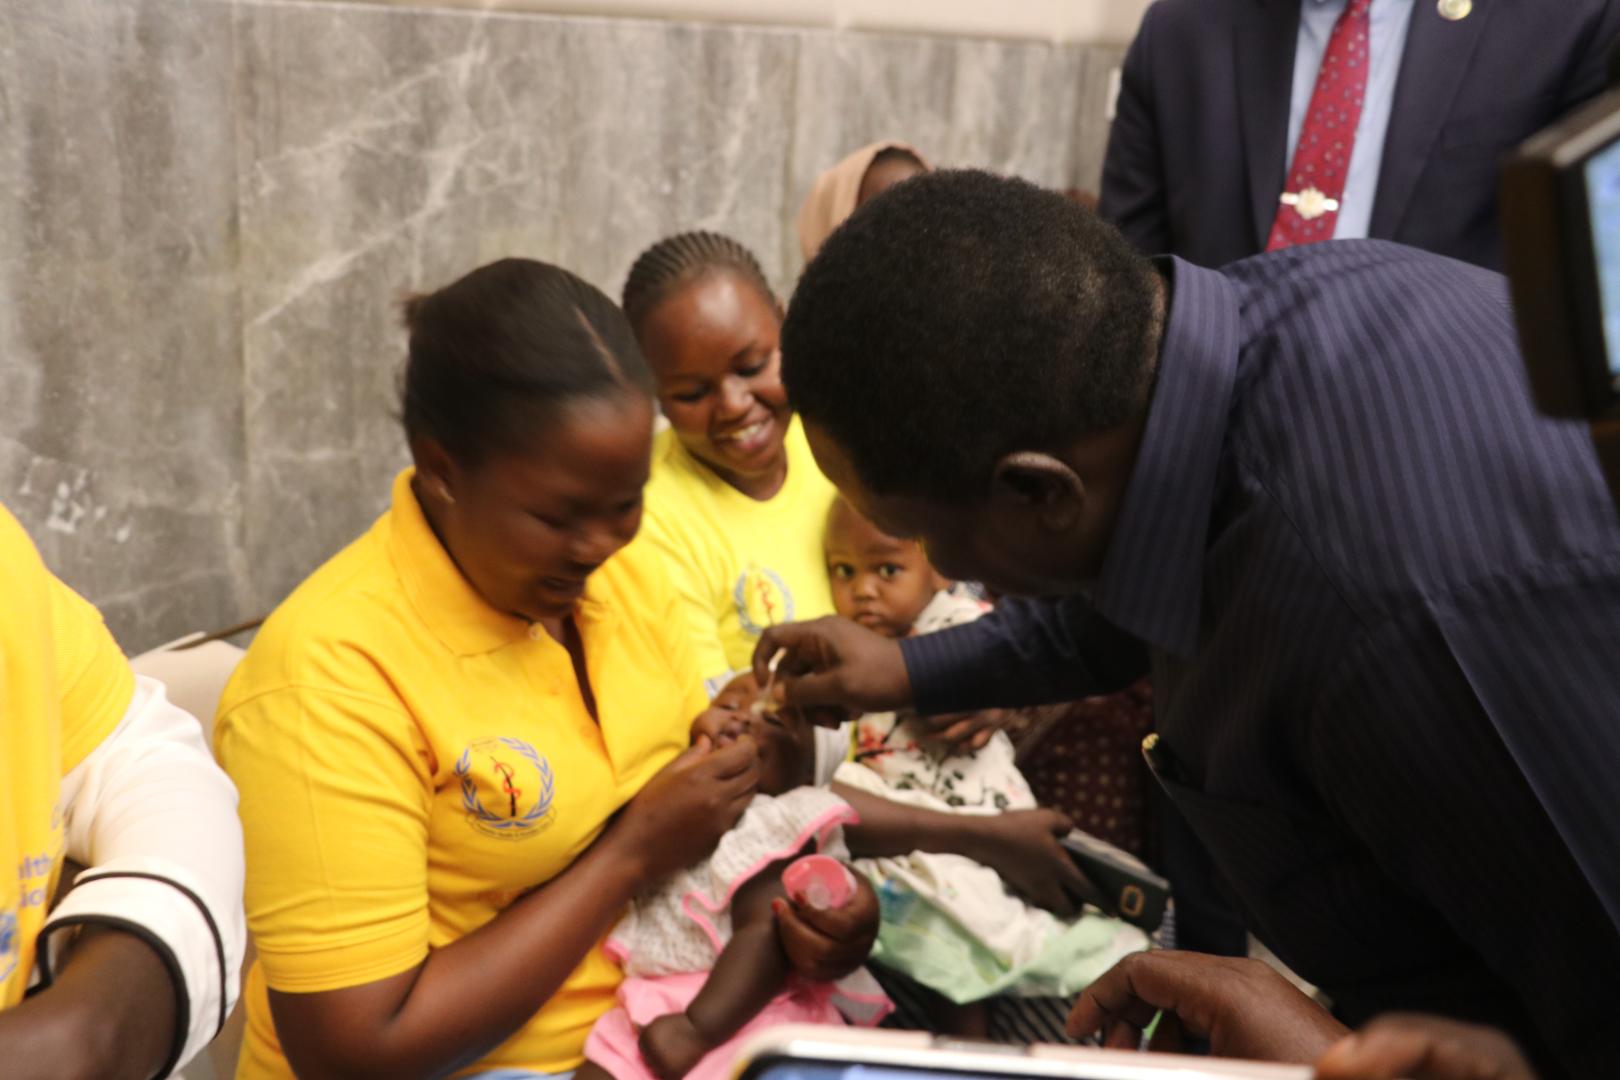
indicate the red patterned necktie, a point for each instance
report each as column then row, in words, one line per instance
column 1309, row 207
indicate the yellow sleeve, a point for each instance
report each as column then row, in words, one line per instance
column 335, row 789
column 683, row 655
column 695, row 600
column 651, row 591
column 94, row 678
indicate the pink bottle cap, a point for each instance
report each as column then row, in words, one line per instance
column 819, row 882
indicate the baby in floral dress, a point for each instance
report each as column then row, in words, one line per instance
column 887, row 585
column 949, row 923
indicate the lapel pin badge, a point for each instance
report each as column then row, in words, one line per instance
column 1455, row 10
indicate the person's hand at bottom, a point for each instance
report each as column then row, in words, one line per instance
column 824, row 945
column 1413, row 1047
column 672, row 1046
column 1243, row 1007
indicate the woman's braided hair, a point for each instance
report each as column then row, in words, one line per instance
column 676, row 261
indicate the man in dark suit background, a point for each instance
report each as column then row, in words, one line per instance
column 1377, row 592
column 1248, row 125
column 1215, row 95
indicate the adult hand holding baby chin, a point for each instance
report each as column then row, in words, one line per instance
column 679, row 816
column 833, row 661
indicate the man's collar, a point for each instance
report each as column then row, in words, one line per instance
column 1153, row 573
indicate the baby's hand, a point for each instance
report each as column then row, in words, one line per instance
column 672, row 1046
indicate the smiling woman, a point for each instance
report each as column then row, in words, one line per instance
column 736, row 502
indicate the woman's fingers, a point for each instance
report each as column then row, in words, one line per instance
column 740, row 757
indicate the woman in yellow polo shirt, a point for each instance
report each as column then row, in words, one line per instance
column 132, row 972
column 489, row 691
column 738, row 507
column 736, row 502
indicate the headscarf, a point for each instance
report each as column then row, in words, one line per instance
column 832, row 196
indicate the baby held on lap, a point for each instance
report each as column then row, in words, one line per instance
column 949, row 922
column 703, row 965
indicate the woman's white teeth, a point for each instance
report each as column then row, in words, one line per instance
column 749, row 432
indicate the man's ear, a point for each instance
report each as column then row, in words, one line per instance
column 1040, row 484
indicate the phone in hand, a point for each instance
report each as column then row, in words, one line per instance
column 1125, row 887
column 803, row 1052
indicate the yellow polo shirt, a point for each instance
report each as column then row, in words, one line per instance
column 64, row 686
column 411, row 760
column 739, row 564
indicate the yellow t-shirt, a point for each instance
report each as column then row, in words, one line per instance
column 739, row 564
column 411, row 760
column 64, row 686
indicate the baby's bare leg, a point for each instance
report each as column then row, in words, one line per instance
column 592, row 1071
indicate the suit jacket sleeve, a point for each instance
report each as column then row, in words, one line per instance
column 1026, row 652
column 1133, row 186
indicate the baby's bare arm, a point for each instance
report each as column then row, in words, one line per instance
column 752, row 967
column 749, row 972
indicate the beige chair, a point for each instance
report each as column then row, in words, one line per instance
column 195, row 669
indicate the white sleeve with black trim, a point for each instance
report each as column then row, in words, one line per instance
column 154, row 820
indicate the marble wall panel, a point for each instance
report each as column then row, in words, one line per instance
column 120, row 327
column 209, row 210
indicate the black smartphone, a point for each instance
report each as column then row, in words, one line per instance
column 1125, row 887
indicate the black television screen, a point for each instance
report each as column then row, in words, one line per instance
column 1561, row 239
column 1603, row 200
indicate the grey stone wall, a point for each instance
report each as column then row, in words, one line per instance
column 209, row 208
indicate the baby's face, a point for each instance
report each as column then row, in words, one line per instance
column 786, row 745
column 878, row 581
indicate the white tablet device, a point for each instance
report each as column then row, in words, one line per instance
column 803, row 1052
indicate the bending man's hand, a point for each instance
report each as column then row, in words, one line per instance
column 1243, row 1007
column 833, row 661
column 1423, row 1048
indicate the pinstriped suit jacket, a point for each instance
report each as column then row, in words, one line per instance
column 1380, row 596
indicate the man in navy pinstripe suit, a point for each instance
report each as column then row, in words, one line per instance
column 1379, row 595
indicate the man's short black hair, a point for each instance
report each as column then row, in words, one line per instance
column 959, row 317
